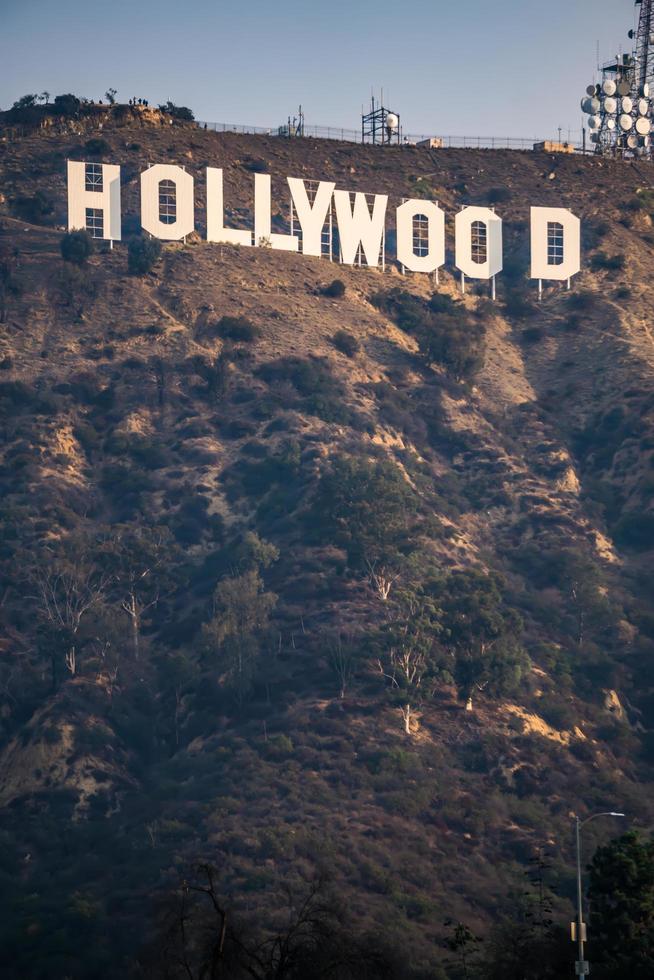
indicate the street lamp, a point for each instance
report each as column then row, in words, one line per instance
column 582, row 968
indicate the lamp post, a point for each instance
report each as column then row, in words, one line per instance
column 581, row 966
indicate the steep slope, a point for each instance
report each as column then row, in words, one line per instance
column 145, row 436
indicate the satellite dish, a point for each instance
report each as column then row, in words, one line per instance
column 623, row 87
column 591, row 90
column 627, row 104
column 609, row 87
column 594, row 106
column 644, row 90
column 594, row 122
column 610, row 124
column 643, row 107
column 626, row 122
column 632, row 142
column 645, row 140
column 643, row 126
column 631, row 35
column 392, row 121
column 610, row 105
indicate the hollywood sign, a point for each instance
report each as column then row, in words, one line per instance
column 168, row 213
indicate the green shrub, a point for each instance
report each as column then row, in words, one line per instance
column 445, row 331
column 635, row 530
column 237, row 328
column 335, row 289
column 142, row 255
column 33, row 208
column 66, row 105
column 97, row 146
column 76, row 246
column 498, row 195
column 178, row 111
column 346, row 343
column 612, row 263
column 531, row 335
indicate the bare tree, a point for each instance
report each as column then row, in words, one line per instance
column 342, row 661
column 137, row 559
column 65, row 595
column 382, row 578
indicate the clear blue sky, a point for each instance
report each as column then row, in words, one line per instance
column 469, row 67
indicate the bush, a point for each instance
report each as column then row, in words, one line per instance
column 322, row 394
column 66, row 105
column 612, row 263
column 255, row 166
column 178, row 111
column 531, row 335
column 335, row 289
column 142, row 255
column 33, row 209
column 237, row 328
column 635, row 531
column 445, row 331
column 97, row 146
column 346, row 343
column 497, row 195
column 76, row 246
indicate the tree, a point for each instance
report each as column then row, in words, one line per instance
column 342, row 659
column 177, row 111
column 142, row 255
column 482, row 634
column 366, row 506
column 110, row 95
column 67, row 105
column 231, row 639
column 621, row 893
column 410, row 655
column 68, row 586
column 76, row 246
column 138, row 558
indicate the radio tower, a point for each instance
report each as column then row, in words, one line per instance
column 620, row 107
column 645, row 44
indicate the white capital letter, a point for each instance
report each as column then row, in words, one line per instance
column 435, row 256
column 358, row 227
column 167, row 211
column 263, row 234
column 486, row 260
column 312, row 217
column 94, row 186
column 553, row 229
column 216, row 231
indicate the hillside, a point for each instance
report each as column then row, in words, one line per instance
column 207, row 470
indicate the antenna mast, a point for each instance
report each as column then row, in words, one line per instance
column 620, row 108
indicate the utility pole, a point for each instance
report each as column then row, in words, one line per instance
column 582, row 967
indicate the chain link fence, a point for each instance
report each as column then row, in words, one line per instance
column 354, row 136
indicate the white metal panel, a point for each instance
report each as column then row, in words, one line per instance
column 107, row 200
column 216, row 231
column 435, row 257
column 463, row 246
column 185, row 217
column 540, row 267
column 263, row 234
column 357, row 227
column 312, row 217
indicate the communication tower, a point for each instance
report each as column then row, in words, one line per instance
column 620, row 109
column 380, row 125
